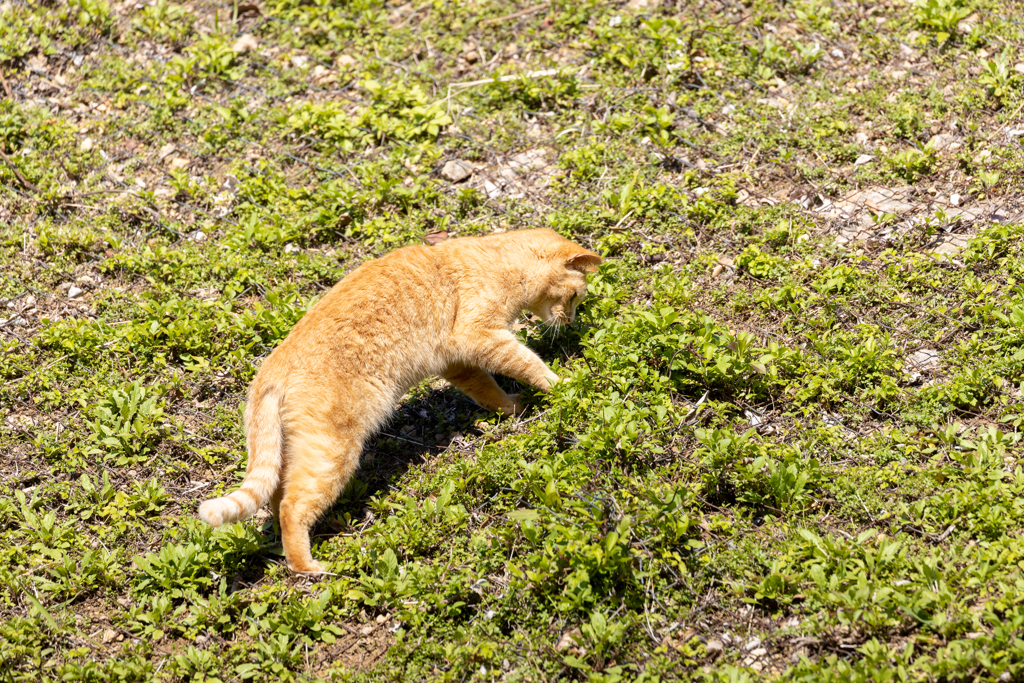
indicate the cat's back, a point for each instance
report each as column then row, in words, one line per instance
column 379, row 311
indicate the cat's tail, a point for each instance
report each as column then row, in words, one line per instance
column 265, row 439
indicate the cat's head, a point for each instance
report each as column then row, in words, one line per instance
column 564, row 284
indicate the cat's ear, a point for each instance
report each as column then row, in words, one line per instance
column 585, row 261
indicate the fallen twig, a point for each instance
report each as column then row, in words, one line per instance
column 17, row 174
column 515, row 15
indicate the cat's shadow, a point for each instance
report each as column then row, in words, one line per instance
column 427, row 424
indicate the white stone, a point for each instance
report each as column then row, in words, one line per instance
column 75, row 292
column 456, row 171
column 245, row 43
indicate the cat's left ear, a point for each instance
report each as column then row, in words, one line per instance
column 586, row 261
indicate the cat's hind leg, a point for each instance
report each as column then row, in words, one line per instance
column 481, row 387
column 321, row 461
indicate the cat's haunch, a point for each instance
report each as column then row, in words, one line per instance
column 416, row 313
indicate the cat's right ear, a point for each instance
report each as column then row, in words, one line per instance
column 586, row 261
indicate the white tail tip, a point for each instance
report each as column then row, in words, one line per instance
column 212, row 512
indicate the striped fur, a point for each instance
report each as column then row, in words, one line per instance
column 264, row 435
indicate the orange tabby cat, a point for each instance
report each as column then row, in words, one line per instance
column 415, row 313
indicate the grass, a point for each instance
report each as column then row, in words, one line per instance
column 788, row 444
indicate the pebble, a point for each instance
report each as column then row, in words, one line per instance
column 245, row 43
column 75, row 292
column 714, row 648
column 456, row 171
column 751, row 644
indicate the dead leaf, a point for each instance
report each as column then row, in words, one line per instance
column 435, row 237
column 569, row 639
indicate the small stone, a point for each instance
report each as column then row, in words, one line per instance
column 86, row 144
column 109, row 636
column 944, row 142
column 922, row 362
column 366, row 630
column 837, row 53
column 759, row 652
column 456, row 171
column 166, row 150
column 322, row 75
column 472, row 56
column 532, row 159
column 568, row 639
column 714, row 648
column 491, row 189
column 954, row 199
column 300, row 61
column 178, row 163
column 37, row 63
column 75, row 292
column 381, row 618
column 246, row 43
column 751, row 644
column 346, row 60
column 863, row 159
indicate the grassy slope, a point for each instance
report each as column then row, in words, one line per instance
column 742, row 449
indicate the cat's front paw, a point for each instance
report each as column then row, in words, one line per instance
column 514, row 406
column 310, row 566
